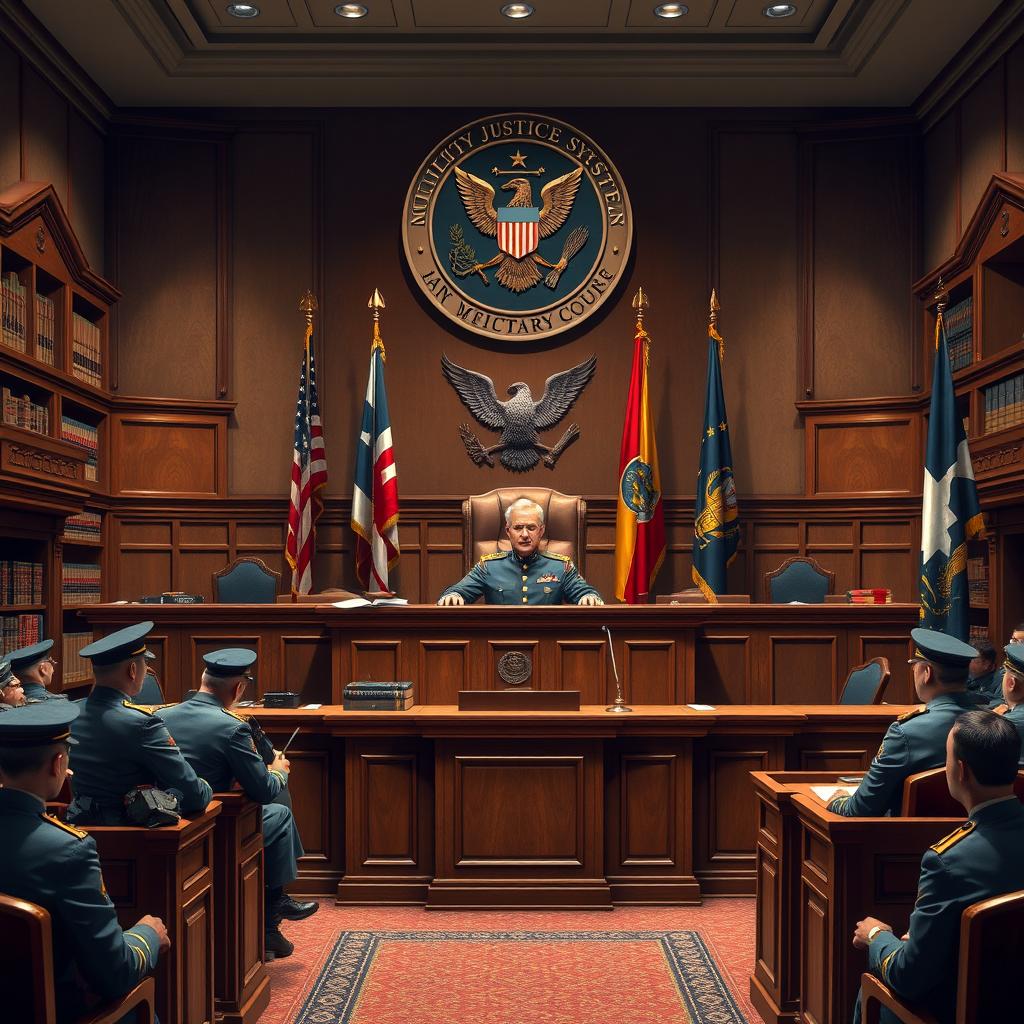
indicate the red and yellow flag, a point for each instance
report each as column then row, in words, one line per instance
column 640, row 516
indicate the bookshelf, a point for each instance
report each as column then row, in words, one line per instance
column 54, row 432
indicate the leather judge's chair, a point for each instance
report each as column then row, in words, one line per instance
column 26, row 972
column 483, row 523
column 926, row 795
column 247, row 580
column 866, row 683
column 799, row 579
column 987, row 988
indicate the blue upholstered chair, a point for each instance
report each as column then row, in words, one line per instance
column 799, row 579
column 866, row 683
column 247, row 580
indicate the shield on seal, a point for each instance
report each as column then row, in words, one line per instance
column 518, row 230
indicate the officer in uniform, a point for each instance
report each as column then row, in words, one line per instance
column 1012, row 708
column 523, row 575
column 56, row 866
column 34, row 667
column 984, row 677
column 122, row 745
column 981, row 859
column 916, row 741
column 151, row 694
column 11, row 693
column 220, row 746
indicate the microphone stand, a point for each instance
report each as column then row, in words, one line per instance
column 619, row 706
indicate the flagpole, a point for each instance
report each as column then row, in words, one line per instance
column 941, row 300
column 376, row 304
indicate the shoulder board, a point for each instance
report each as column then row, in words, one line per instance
column 912, row 714
column 233, row 715
column 143, row 708
column 76, row 832
column 948, row 842
column 561, row 558
column 493, row 555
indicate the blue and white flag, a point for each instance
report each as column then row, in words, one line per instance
column 950, row 514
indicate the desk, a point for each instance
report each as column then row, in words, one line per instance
column 667, row 654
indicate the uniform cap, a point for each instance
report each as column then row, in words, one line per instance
column 6, row 674
column 229, row 661
column 36, row 724
column 941, row 649
column 25, row 657
column 1015, row 659
column 119, row 646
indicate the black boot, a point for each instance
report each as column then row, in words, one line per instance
column 276, row 945
column 287, row 909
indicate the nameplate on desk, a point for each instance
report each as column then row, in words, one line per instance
column 519, row 700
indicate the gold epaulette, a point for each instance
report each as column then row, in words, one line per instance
column 228, row 711
column 493, row 555
column 76, row 832
column 912, row 714
column 948, row 842
column 561, row 558
column 137, row 707
column 1002, row 709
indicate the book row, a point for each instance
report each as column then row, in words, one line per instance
column 21, row 411
column 83, row 526
column 86, row 351
column 1004, row 404
column 21, row 582
column 86, row 436
column 20, row 631
column 76, row 668
column 14, row 313
column 959, row 325
column 80, row 583
column 46, row 328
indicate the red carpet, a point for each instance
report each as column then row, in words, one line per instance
column 471, row 979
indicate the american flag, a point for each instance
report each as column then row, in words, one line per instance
column 309, row 474
column 375, row 494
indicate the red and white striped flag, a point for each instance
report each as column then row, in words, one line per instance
column 309, row 474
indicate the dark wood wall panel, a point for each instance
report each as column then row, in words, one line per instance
column 87, row 187
column 1015, row 108
column 10, row 115
column 940, row 217
column 982, row 130
column 274, row 194
column 45, row 155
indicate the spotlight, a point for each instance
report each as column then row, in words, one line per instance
column 517, row 11
column 780, row 10
column 351, row 10
column 243, row 10
column 671, row 10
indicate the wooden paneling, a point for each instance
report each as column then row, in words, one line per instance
column 496, row 650
column 587, row 662
column 869, row 455
column 10, row 115
column 804, row 669
column 1014, row 109
column 649, row 672
column 45, row 155
column 376, row 660
column 305, row 668
column 443, row 670
column 389, row 830
column 940, row 218
column 724, row 669
column 87, row 188
column 982, row 128
column 158, row 455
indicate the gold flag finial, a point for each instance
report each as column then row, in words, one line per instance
column 713, row 309
column 376, row 304
column 641, row 303
column 941, row 298
column 308, row 306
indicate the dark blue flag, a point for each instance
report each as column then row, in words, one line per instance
column 716, row 528
column 950, row 513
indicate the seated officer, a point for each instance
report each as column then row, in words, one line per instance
column 151, row 693
column 55, row 866
column 11, row 693
column 523, row 575
column 219, row 745
column 984, row 677
column 122, row 745
column 979, row 860
column 916, row 741
column 34, row 667
column 1012, row 708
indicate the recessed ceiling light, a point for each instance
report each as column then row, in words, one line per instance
column 243, row 10
column 780, row 10
column 351, row 10
column 671, row 10
column 517, row 11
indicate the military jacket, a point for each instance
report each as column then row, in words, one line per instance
column 36, row 691
column 121, row 746
column 56, row 867
column 1014, row 715
column 505, row 578
column 979, row 860
column 989, row 685
column 913, row 743
column 219, row 745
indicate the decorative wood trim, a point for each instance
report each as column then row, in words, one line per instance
column 805, row 271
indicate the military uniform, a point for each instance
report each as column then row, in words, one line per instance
column 123, row 745
column 219, row 745
column 989, row 685
column 981, row 859
column 916, row 741
column 25, row 658
column 1015, row 715
column 56, row 867
column 504, row 577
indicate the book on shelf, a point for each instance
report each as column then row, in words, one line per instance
column 368, row 695
column 86, row 351
column 21, row 582
column 959, row 326
column 14, row 318
column 46, row 328
column 870, row 595
column 978, row 634
column 84, row 436
column 20, row 630
column 81, row 583
column 977, row 581
column 21, row 411
column 87, row 526
column 1004, row 404
column 76, row 668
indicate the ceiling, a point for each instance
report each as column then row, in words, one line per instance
column 465, row 52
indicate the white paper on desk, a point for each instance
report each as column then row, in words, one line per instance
column 700, row 707
column 827, row 793
column 352, row 602
column 311, row 707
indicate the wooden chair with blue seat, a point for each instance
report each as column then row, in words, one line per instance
column 247, row 580
column 987, row 989
column 866, row 683
column 799, row 578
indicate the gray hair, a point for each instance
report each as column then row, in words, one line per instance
column 523, row 505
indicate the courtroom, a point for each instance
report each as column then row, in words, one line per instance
column 511, row 512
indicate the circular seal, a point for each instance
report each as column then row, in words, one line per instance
column 517, row 227
column 515, row 667
column 638, row 491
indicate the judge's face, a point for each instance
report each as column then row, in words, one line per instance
column 525, row 531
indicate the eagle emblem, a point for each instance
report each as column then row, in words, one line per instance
column 517, row 227
column 718, row 517
column 520, row 418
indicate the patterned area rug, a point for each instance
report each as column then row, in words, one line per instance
column 489, row 977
